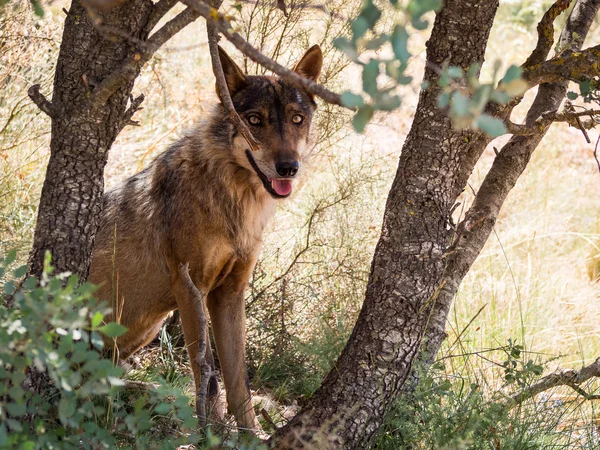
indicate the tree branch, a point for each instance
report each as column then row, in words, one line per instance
column 213, row 45
column 196, row 298
column 545, row 30
column 570, row 377
column 571, row 65
column 130, row 68
column 40, row 100
column 160, row 9
column 225, row 28
column 570, row 117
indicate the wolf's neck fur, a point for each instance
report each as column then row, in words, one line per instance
column 208, row 175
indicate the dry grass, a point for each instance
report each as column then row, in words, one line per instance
column 536, row 279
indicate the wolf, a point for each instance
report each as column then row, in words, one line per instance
column 205, row 201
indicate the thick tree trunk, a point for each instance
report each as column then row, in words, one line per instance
column 506, row 170
column 82, row 134
column 408, row 264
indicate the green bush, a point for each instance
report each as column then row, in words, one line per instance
column 54, row 328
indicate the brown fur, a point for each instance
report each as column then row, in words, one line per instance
column 202, row 202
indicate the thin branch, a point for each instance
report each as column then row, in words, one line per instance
column 213, row 45
column 570, row 377
column 196, row 298
column 545, row 30
column 225, row 28
column 571, row 117
column 40, row 100
column 130, row 68
column 134, row 106
column 159, row 10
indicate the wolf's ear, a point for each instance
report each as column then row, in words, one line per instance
column 311, row 63
column 234, row 77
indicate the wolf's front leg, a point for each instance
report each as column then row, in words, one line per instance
column 228, row 318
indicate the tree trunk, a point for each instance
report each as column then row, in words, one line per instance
column 82, row 134
column 506, row 170
column 409, row 262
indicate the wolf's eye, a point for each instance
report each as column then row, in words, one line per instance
column 253, row 119
column 297, row 119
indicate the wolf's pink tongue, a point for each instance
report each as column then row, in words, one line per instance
column 282, row 187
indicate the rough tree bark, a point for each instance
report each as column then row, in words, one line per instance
column 506, row 170
column 420, row 259
column 101, row 54
column 435, row 164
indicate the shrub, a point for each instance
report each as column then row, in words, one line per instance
column 54, row 327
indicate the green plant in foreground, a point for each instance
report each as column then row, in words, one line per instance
column 55, row 326
column 453, row 411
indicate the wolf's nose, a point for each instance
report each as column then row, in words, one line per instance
column 287, row 168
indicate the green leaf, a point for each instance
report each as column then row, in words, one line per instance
column 97, row 319
column 399, row 42
column 37, row 8
column 359, row 27
column 66, row 408
column 113, row 330
column 572, row 95
column 455, row 72
column 513, row 73
column 362, row 117
column 377, row 42
column 459, row 104
column 347, row 47
column 443, row 100
column 370, row 13
column 491, row 125
column 352, row 100
column 369, row 76
column 585, row 87
column 16, row 409
column 10, row 257
column 387, row 102
column 20, row 272
column 162, row 408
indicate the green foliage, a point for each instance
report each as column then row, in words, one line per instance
column 516, row 370
column 52, row 333
column 453, row 412
column 462, row 92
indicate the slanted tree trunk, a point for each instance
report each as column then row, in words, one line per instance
column 506, row 170
column 101, row 54
column 409, row 262
column 420, row 259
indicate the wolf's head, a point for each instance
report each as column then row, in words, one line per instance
column 279, row 116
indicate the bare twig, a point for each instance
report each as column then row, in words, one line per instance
column 134, row 106
column 267, row 417
column 596, row 153
column 197, row 299
column 570, row 377
column 225, row 28
column 545, row 30
column 213, row 45
column 40, row 100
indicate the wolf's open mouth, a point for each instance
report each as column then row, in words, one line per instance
column 278, row 188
